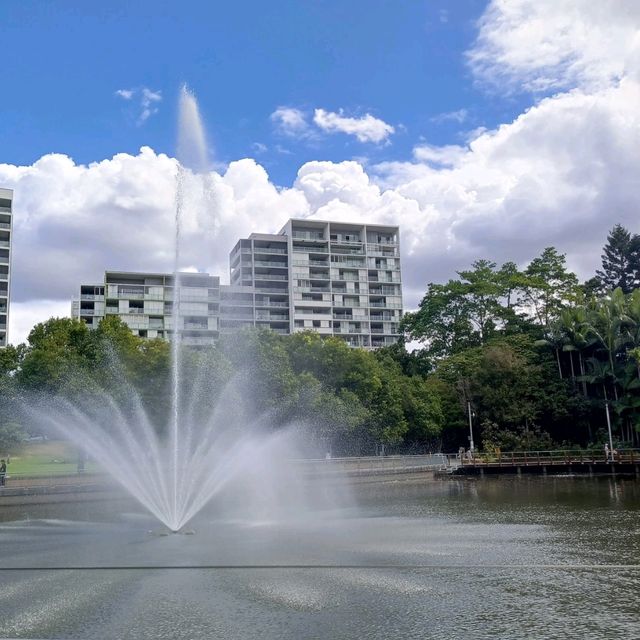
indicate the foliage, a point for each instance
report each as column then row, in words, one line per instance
column 620, row 261
column 533, row 357
column 11, row 436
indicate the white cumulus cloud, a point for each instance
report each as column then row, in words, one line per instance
column 550, row 44
column 365, row 129
column 562, row 173
column 290, row 122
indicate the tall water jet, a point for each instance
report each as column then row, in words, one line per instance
column 192, row 155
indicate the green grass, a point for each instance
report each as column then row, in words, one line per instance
column 49, row 458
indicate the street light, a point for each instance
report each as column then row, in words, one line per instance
column 606, row 408
column 471, row 445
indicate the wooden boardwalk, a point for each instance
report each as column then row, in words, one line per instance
column 625, row 461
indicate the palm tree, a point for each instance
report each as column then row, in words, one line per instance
column 573, row 323
column 605, row 322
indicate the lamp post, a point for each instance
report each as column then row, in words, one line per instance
column 606, row 409
column 471, row 445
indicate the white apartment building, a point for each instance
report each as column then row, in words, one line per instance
column 145, row 302
column 6, row 202
column 334, row 278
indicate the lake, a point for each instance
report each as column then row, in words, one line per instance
column 554, row 557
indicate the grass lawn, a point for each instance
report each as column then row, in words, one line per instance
column 48, row 458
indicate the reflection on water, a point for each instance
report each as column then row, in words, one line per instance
column 497, row 558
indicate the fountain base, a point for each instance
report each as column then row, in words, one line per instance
column 171, row 532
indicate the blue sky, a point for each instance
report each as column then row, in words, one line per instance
column 483, row 128
column 402, row 62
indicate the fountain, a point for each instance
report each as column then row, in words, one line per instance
column 174, row 469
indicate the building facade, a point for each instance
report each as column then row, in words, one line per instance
column 334, row 278
column 337, row 279
column 145, row 302
column 6, row 209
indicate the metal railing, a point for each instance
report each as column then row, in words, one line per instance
column 550, row 458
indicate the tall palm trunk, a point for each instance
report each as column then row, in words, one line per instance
column 584, row 382
column 573, row 373
column 559, row 365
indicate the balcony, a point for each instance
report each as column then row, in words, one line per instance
column 344, row 278
column 5, row 225
column 312, row 289
column 272, row 318
column 347, row 251
column 195, row 326
column 270, row 250
column 261, row 289
column 316, row 236
column 390, row 250
column 269, row 276
column 299, row 249
column 310, row 263
column 134, row 310
column 272, row 265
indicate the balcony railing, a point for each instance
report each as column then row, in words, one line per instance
column 267, row 263
column 270, row 250
column 261, row 289
column 310, row 249
column 5, row 225
column 269, row 276
column 308, row 235
column 275, row 318
column 310, row 263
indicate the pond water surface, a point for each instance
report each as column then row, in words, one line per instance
column 494, row 558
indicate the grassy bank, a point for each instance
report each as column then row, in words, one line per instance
column 46, row 458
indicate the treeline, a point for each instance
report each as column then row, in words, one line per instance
column 536, row 355
column 343, row 400
column 533, row 355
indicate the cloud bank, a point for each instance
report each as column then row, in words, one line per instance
column 562, row 173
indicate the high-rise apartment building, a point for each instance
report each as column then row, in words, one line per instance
column 334, row 278
column 145, row 302
column 6, row 202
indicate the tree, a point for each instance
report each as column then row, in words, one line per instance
column 548, row 287
column 59, row 353
column 620, row 260
column 462, row 313
column 11, row 437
